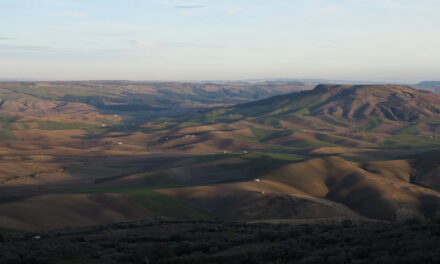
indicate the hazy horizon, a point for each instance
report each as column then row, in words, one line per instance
column 306, row 80
column 172, row 40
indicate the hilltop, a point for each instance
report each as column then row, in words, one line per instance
column 327, row 116
column 341, row 105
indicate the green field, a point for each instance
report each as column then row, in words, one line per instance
column 6, row 135
column 371, row 125
column 53, row 125
column 214, row 157
column 4, row 230
column 284, row 156
column 151, row 200
column 310, row 144
column 7, row 125
column 246, row 138
column 262, row 160
column 163, row 205
column 94, row 171
column 158, row 180
column 411, row 130
column 407, row 141
column 260, row 133
column 278, row 134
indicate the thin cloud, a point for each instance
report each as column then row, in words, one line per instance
column 154, row 44
column 7, row 6
column 73, row 14
column 23, row 47
column 147, row 44
column 233, row 11
column 188, row 6
column 52, row 50
column 106, row 29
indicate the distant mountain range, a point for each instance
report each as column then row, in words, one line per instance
column 429, row 85
column 129, row 96
column 382, row 108
column 352, row 102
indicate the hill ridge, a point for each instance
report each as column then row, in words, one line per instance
column 350, row 102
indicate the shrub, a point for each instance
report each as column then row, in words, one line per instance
column 312, row 260
column 346, row 223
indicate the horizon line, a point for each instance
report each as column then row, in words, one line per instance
column 313, row 80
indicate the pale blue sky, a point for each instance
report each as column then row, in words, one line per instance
column 377, row 40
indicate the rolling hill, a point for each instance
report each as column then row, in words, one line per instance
column 145, row 97
column 343, row 105
column 388, row 116
column 337, row 151
column 325, row 187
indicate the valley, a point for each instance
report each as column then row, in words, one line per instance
column 337, row 151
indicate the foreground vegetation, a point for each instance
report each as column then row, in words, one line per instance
column 228, row 242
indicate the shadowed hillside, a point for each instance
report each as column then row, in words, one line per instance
column 328, row 116
column 342, row 104
column 326, row 187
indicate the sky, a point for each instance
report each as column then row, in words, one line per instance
column 374, row 40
